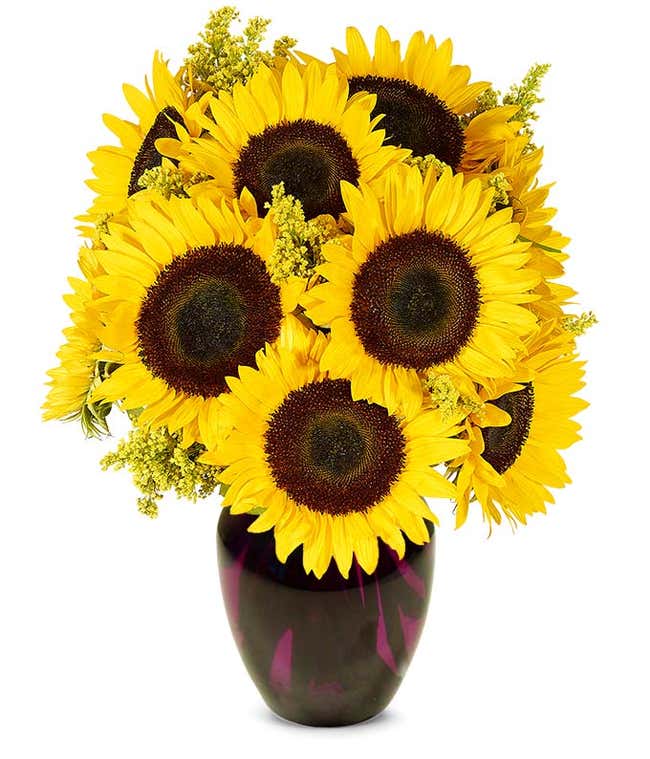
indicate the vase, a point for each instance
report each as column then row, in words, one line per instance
column 329, row 651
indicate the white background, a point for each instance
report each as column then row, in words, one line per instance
column 114, row 642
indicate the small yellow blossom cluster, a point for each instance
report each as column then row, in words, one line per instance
column 578, row 325
column 297, row 250
column 526, row 96
column 158, row 463
column 501, row 189
column 100, row 228
column 487, row 100
column 445, row 396
column 102, row 223
column 220, row 59
column 424, row 163
column 168, row 181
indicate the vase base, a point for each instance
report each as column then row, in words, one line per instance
column 306, row 721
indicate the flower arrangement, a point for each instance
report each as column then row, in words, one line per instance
column 330, row 290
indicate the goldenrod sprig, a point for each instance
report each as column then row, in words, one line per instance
column 578, row 325
column 424, row 163
column 220, row 59
column 169, row 180
column 445, row 396
column 159, row 464
column 501, row 187
column 297, row 249
column 526, row 95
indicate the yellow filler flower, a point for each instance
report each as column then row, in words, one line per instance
column 428, row 281
column 189, row 299
column 295, row 127
column 428, row 103
column 330, row 473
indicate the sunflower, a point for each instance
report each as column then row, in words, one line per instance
column 429, row 281
column 295, row 127
column 520, row 167
column 514, row 439
column 188, row 300
column 160, row 111
column 71, row 382
column 329, row 472
column 427, row 103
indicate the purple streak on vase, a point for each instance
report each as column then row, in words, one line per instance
column 383, row 646
column 362, row 589
column 281, row 662
column 410, row 577
column 411, row 629
column 230, row 579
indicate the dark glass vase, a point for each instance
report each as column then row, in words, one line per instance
column 325, row 652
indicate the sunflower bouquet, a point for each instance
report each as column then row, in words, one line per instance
column 329, row 290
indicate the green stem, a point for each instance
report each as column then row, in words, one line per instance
column 547, row 248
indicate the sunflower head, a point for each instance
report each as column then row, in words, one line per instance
column 161, row 111
column 189, row 299
column 430, row 280
column 426, row 103
column 73, row 380
column 295, row 127
column 519, row 168
column 515, row 436
column 331, row 472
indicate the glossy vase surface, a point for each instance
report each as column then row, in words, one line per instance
column 329, row 651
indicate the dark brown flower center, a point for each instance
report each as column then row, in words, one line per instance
column 309, row 157
column 415, row 300
column 503, row 445
column 414, row 118
column 148, row 157
column 208, row 312
column 332, row 454
column 211, row 321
